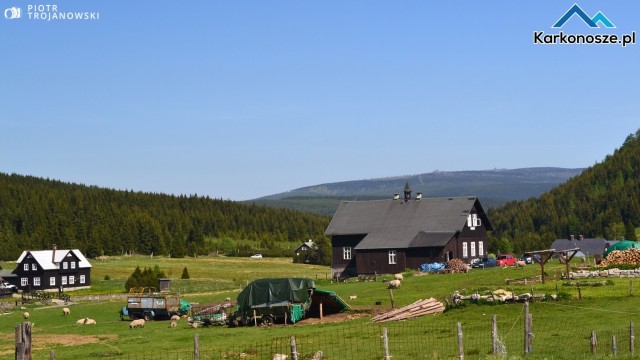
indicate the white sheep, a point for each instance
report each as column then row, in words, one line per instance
column 520, row 263
column 175, row 318
column 353, row 297
column 89, row 321
column 394, row 284
column 136, row 323
column 279, row 357
column 173, row 323
column 194, row 324
column 66, row 311
column 398, row 276
column 25, row 315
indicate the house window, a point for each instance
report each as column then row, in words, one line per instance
column 473, row 249
column 346, row 253
column 73, row 265
column 64, row 265
column 480, row 248
column 392, row 256
column 82, row 279
column 26, row 267
column 476, row 220
column 52, row 281
column 72, row 280
column 465, row 251
column 34, row 267
column 24, row 281
column 36, row 281
column 63, row 280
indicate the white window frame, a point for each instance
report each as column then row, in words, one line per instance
column 34, row 266
column 473, row 249
column 72, row 280
column 52, row 281
column 36, row 281
column 465, row 250
column 82, row 279
column 65, row 265
column 25, row 267
column 63, row 280
column 73, row 264
column 24, row 281
column 346, row 253
column 393, row 257
column 480, row 248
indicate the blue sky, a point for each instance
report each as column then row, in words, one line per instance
column 242, row 99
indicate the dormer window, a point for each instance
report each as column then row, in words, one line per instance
column 34, row 267
column 25, row 267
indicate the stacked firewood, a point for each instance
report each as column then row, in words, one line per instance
column 617, row 257
column 418, row 308
column 457, row 265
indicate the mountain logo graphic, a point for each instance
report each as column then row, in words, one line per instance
column 593, row 22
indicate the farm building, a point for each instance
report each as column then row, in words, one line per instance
column 50, row 270
column 587, row 246
column 389, row 236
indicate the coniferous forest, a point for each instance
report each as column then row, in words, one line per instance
column 36, row 213
column 602, row 202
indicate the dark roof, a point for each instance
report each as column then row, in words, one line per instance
column 588, row 246
column 399, row 224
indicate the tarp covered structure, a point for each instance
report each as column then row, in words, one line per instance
column 269, row 291
column 622, row 245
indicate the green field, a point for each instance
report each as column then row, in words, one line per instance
column 561, row 328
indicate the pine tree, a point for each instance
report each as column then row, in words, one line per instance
column 185, row 273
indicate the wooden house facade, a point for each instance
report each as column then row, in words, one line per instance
column 389, row 236
column 52, row 270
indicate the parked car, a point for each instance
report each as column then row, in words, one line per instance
column 506, row 260
column 485, row 263
column 528, row 258
column 475, row 262
column 6, row 286
column 256, row 256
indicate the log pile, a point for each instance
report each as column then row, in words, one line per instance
column 457, row 265
column 418, row 308
column 617, row 257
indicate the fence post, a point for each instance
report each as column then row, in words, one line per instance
column 385, row 343
column 494, row 335
column 614, row 346
column 294, row 349
column 52, row 355
column 594, row 342
column 526, row 327
column 196, row 347
column 530, row 335
column 631, row 338
column 23, row 341
column 393, row 303
column 460, row 346
column 630, row 286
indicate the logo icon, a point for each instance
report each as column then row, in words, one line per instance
column 593, row 22
column 12, row 13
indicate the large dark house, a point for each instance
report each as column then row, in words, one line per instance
column 389, row 236
column 51, row 270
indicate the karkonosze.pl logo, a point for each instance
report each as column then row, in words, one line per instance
column 599, row 20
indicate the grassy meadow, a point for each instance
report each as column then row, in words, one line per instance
column 561, row 328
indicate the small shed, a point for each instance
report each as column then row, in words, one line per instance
column 164, row 284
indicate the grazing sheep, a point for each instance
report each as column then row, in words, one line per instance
column 175, row 318
column 66, row 311
column 394, row 284
column 228, row 299
column 353, row 297
column 89, row 321
column 136, row 323
column 173, row 324
column 81, row 321
column 194, row 324
column 520, row 263
column 25, row 315
column 398, row 276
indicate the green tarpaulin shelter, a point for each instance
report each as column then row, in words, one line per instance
column 269, row 291
column 622, row 245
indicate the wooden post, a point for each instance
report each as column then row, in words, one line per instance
column 285, row 318
column 530, row 335
column 321, row 310
column 52, row 355
column 294, row 349
column 393, row 303
column 630, row 286
column 594, row 342
column 494, row 335
column 614, row 346
column 255, row 318
column 526, row 327
column 460, row 346
column 385, row 343
column 579, row 293
column 631, row 338
column 196, row 347
column 23, row 341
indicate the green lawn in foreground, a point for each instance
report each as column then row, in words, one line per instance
column 561, row 328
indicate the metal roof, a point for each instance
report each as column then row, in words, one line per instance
column 45, row 257
column 400, row 224
column 589, row 246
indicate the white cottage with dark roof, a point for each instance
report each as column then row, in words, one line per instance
column 389, row 236
column 52, row 270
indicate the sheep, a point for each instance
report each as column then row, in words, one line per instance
column 65, row 311
column 520, row 263
column 279, row 357
column 394, row 284
column 353, row 297
column 398, row 276
column 136, row 323
column 89, row 321
column 25, row 315
column 175, row 318
column 173, row 324
column 227, row 299
column 194, row 324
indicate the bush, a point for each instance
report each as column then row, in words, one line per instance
column 185, row 273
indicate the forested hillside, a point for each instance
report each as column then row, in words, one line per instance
column 603, row 201
column 36, row 213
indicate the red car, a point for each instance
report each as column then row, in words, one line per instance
column 506, row 260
